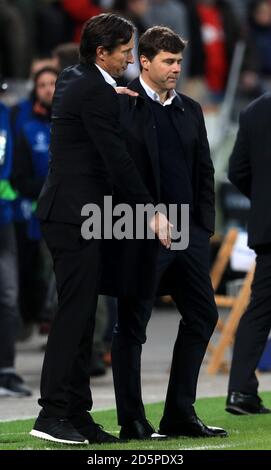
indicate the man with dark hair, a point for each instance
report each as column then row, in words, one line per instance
column 166, row 136
column 87, row 152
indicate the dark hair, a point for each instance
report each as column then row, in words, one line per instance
column 67, row 54
column 160, row 38
column 46, row 69
column 107, row 30
column 36, row 77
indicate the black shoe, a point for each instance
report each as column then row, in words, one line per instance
column 191, row 427
column 11, row 385
column 139, row 430
column 57, row 430
column 95, row 434
column 81, row 419
column 245, row 404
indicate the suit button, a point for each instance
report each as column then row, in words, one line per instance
column 154, row 127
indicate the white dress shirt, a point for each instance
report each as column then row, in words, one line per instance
column 110, row 80
column 154, row 96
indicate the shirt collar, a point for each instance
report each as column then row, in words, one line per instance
column 154, row 96
column 110, row 80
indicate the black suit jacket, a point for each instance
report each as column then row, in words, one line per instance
column 139, row 133
column 135, row 273
column 87, row 151
column 250, row 167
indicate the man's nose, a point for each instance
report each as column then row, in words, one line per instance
column 130, row 58
column 176, row 68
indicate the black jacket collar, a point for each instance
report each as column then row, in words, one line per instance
column 91, row 68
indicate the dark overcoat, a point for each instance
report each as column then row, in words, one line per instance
column 250, row 167
column 130, row 265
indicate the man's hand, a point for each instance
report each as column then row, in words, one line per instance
column 123, row 90
column 162, row 228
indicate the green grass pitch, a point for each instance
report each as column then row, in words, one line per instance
column 245, row 432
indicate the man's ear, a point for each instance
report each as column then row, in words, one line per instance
column 144, row 62
column 101, row 52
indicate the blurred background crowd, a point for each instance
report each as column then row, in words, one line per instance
column 227, row 63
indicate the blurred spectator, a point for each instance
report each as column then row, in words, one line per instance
column 29, row 10
column 46, row 25
column 134, row 10
column 10, row 383
column 171, row 13
column 80, row 11
column 256, row 75
column 147, row 13
column 31, row 158
column 14, row 60
column 65, row 55
column 39, row 63
column 240, row 7
column 54, row 26
column 22, row 211
column 260, row 34
column 214, row 31
column 62, row 56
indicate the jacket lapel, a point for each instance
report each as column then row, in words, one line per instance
column 148, row 128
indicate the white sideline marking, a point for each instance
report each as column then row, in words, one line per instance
column 212, row 447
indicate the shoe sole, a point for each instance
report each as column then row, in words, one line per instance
column 222, row 434
column 47, row 437
column 158, row 436
column 235, row 410
column 154, row 437
column 175, row 436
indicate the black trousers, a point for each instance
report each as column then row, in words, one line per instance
column 66, row 369
column 193, row 294
column 253, row 330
